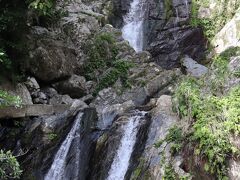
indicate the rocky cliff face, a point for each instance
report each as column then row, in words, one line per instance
column 169, row 36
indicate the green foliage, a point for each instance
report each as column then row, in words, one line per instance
column 169, row 173
column 219, row 68
column 9, row 100
column 214, row 114
column 51, row 136
column 4, row 60
column 175, row 136
column 103, row 65
column 215, row 119
column 237, row 73
column 187, row 95
column 12, row 27
column 42, row 7
column 206, row 23
column 9, row 166
column 102, row 53
column 219, row 17
column 119, row 70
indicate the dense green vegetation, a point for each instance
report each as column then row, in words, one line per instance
column 9, row 100
column 103, row 65
column 219, row 16
column 42, row 7
column 102, row 52
column 213, row 114
column 9, row 166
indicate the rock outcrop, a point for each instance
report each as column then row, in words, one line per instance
column 193, row 68
column 169, row 34
column 150, row 166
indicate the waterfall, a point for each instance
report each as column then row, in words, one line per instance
column 56, row 172
column 177, row 17
column 133, row 25
column 187, row 7
column 121, row 160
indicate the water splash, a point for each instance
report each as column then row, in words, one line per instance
column 56, row 172
column 133, row 29
column 121, row 160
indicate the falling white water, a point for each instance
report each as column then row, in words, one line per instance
column 56, row 172
column 121, row 160
column 177, row 17
column 133, row 25
column 187, row 7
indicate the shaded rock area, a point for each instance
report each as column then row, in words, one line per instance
column 119, row 9
column 41, row 137
column 169, row 34
column 109, row 142
column 50, row 58
column 52, row 54
column 149, row 164
column 75, row 86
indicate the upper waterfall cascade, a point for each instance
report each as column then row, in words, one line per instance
column 121, row 160
column 133, row 24
column 56, row 172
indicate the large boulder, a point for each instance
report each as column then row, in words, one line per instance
column 75, row 86
column 56, row 53
column 228, row 36
column 50, row 58
column 193, row 68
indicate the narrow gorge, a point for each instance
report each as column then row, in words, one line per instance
column 119, row 90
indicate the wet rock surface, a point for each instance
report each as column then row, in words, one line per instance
column 162, row 119
column 109, row 142
column 169, row 35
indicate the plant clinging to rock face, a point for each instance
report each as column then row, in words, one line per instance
column 9, row 100
column 42, row 7
column 9, row 166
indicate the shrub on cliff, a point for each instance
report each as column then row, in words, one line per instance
column 9, row 166
column 9, row 100
column 212, row 114
column 102, row 64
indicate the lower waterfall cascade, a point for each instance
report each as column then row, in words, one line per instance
column 56, row 171
column 121, row 160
